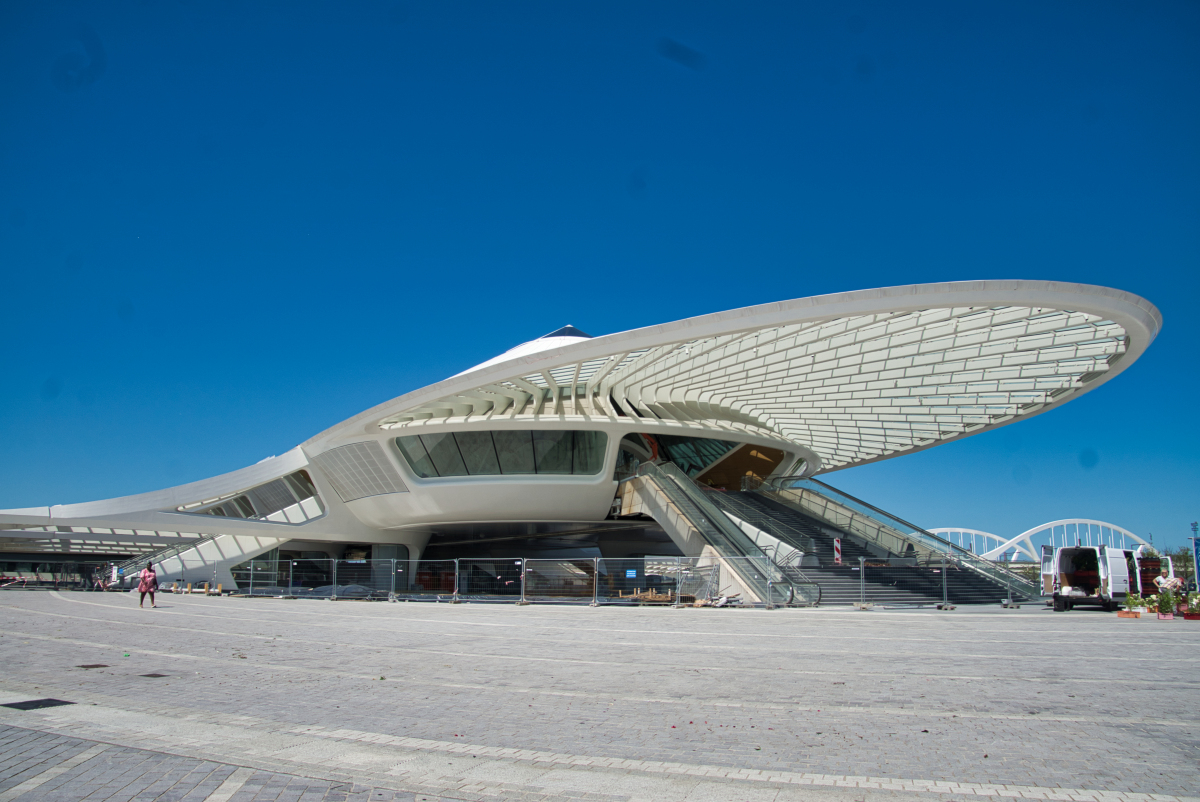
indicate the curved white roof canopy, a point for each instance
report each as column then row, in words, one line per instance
column 854, row 377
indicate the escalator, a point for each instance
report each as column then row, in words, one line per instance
column 705, row 533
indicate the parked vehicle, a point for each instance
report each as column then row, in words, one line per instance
column 1086, row 575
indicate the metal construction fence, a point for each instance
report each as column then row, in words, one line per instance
column 26, row 575
column 884, row 530
column 593, row 581
column 906, row 580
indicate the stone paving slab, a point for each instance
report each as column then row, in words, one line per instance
column 68, row 769
column 547, row 703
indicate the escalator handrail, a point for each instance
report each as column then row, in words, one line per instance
column 669, row 477
column 951, row 550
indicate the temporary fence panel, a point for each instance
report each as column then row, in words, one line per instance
column 311, row 578
column 426, row 579
column 490, row 579
column 264, row 578
column 637, row 580
column 363, row 579
column 901, row 580
column 307, row 578
column 560, row 580
column 696, row 581
column 57, row 575
column 746, row 578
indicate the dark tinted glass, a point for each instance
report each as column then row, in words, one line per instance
column 414, row 451
column 444, row 453
column 478, row 453
column 589, row 452
column 552, row 450
column 505, row 452
column 301, row 484
column 515, row 450
column 692, row 454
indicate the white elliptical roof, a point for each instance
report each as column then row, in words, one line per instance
column 852, row 377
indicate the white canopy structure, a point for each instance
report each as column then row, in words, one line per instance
column 538, row 433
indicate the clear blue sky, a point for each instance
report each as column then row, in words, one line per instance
column 225, row 226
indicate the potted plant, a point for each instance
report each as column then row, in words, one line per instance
column 1193, row 607
column 1132, row 604
column 1144, row 604
column 1166, row 606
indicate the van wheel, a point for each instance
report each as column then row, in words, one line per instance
column 1059, row 605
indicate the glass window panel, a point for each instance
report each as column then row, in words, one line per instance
column 444, row 453
column 301, row 484
column 515, row 451
column 418, row 459
column 589, row 452
column 478, row 453
column 693, row 454
column 552, row 450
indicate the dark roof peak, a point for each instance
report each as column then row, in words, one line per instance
column 566, row 331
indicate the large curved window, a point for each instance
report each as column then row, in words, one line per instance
column 537, row 451
column 692, row 454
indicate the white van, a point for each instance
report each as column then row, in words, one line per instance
column 1086, row 575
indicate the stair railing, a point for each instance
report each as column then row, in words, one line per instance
column 783, row 555
column 165, row 553
column 895, row 535
column 752, row 566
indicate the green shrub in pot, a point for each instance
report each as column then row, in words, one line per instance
column 1166, row 602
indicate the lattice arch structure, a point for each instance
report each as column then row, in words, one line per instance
column 1027, row 545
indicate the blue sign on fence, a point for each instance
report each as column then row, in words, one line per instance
column 631, row 573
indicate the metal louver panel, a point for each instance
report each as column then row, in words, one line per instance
column 271, row 497
column 359, row 470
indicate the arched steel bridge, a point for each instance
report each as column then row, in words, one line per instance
column 1027, row 545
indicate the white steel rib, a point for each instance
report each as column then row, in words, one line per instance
column 848, row 378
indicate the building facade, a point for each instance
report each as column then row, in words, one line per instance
column 540, row 446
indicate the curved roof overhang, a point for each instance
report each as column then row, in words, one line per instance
column 852, row 377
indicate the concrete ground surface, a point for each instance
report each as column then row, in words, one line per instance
column 301, row 700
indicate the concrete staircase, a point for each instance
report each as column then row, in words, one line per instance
column 893, row 584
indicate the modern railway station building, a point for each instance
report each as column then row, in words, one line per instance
column 705, row 438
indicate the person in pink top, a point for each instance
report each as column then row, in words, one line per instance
column 148, row 584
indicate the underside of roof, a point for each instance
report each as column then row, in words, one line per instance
column 851, row 387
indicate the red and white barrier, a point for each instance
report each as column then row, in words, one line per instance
column 837, row 551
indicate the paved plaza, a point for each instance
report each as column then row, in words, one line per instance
column 233, row 700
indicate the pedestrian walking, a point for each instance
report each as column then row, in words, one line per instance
column 148, row 584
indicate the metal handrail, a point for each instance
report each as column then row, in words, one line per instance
column 806, row 544
column 712, row 522
column 165, row 553
column 883, row 520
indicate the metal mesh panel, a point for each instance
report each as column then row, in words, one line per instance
column 360, row 470
column 272, row 497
